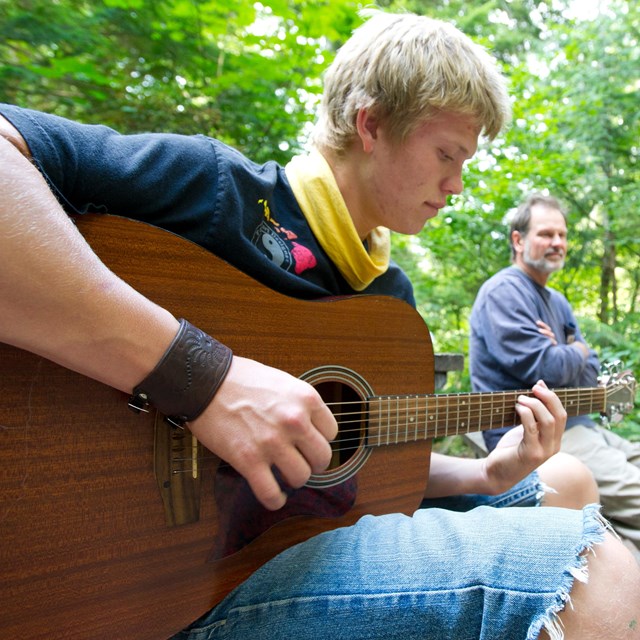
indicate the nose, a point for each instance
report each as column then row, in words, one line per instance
column 453, row 185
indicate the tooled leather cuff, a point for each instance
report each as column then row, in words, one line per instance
column 186, row 378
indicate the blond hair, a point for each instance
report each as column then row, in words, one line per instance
column 407, row 68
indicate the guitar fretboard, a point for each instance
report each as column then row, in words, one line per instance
column 409, row 418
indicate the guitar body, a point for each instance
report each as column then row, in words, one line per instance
column 96, row 540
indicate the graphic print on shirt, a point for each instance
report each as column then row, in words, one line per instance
column 280, row 245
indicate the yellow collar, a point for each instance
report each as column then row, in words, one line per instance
column 317, row 193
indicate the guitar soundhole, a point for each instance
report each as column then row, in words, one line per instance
column 348, row 410
column 346, row 393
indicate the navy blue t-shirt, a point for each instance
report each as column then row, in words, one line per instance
column 198, row 188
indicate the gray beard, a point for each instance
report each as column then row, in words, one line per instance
column 541, row 264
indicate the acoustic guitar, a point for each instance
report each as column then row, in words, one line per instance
column 116, row 525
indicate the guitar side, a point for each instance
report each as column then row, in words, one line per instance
column 86, row 548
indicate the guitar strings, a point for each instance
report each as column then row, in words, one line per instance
column 401, row 416
column 411, row 430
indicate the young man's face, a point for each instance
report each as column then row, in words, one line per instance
column 410, row 181
column 544, row 247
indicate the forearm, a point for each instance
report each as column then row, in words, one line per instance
column 450, row 476
column 58, row 299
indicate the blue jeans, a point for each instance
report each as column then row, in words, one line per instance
column 527, row 493
column 439, row 574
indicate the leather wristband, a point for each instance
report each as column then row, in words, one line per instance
column 186, row 378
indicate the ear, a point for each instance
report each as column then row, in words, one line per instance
column 367, row 126
column 517, row 240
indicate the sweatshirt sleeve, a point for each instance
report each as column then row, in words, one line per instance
column 165, row 179
column 588, row 376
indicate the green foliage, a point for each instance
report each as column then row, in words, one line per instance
column 243, row 72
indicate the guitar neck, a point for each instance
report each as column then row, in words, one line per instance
column 409, row 418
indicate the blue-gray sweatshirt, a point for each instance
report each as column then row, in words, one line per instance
column 506, row 349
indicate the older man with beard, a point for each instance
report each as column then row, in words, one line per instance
column 522, row 331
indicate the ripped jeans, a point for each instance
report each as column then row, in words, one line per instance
column 481, row 574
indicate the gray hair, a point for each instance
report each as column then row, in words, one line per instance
column 406, row 69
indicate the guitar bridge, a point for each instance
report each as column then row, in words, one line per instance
column 176, row 466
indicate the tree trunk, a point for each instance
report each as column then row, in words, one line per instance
column 608, row 285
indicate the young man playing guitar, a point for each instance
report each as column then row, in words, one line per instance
column 405, row 103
